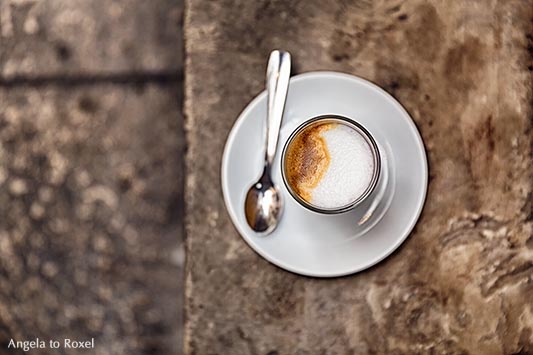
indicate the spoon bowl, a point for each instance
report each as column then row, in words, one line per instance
column 263, row 205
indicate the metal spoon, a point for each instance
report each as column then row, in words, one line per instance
column 264, row 204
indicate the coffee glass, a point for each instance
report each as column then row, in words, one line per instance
column 374, row 156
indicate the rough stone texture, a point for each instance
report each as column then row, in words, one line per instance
column 57, row 37
column 91, row 174
column 463, row 281
column 90, row 204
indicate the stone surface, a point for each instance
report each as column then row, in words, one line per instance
column 75, row 37
column 91, row 204
column 463, row 281
column 91, row 174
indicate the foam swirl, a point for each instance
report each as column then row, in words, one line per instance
column 329, row 165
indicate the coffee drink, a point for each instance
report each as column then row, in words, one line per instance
column 329, row 163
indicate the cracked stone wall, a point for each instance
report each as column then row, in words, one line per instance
column 462, row 283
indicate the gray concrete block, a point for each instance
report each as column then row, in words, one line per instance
column 91, row 228
column 58, row 37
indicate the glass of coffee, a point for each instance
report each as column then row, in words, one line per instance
column 330, row 164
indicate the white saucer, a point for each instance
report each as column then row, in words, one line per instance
column 308, row 243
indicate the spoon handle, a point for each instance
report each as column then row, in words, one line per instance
column 277, row 83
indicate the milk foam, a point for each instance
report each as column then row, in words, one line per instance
column 350, row 169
